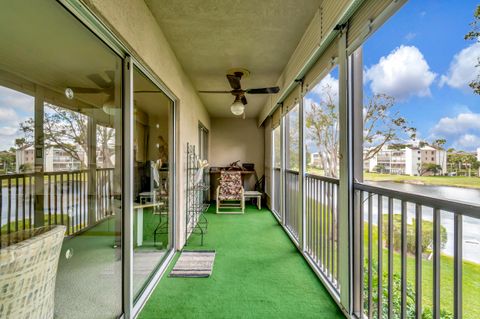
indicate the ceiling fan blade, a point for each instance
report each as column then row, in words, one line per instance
column 98, row 80
column 244, row 100
column 87, row 90
column 270, row 90
column 111, row 75
column 234, row 81
column 214, row 92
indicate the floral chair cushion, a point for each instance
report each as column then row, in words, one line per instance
column 230, row 186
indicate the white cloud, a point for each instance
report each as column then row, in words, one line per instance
column 461, row 123
column 467, row 142
column 462, row 69
column 461, row 131
column 8, row 131
column 17, row 100
column 327, row 89
column 15, row 107
column 8, row 115
column 410, row 36
column 401, row 74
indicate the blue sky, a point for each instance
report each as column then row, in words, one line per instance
column 15, row 107
column 423, row 47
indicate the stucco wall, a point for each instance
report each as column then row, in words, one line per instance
column 133, row 22
column 235, row 139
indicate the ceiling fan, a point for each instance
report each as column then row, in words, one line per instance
column 234, row 76
column 103, row 86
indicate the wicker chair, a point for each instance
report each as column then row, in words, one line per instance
column 230, row 193
column 28, row 269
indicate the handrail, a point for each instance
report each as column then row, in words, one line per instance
column 332, row 180
column 32, row 174
column 291, row 171
column 455, row 206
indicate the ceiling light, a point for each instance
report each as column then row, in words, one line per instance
column 237, row 107
column 69, row 93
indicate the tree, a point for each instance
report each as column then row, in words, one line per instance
column 461, row 161
column 105, row 136
column 62, row 128
column 67, row 130
column 381, row 126
column 474, row 34
column 7, row 161
column 293, row 140
column 379, row 168
column 430, row 168
column 323, row 127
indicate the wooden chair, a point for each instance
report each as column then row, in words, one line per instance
column 230, row 193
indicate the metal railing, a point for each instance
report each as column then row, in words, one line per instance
column 276, row 192
column 65, row 200
column 405, row 230
column 293, row 215
column 321, row 225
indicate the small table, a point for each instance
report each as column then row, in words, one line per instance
column 254, row 194
column 138, row 208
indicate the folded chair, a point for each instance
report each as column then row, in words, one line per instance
column 230, row 194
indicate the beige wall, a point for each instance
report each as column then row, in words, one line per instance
column 134, row 24
column 235, row 139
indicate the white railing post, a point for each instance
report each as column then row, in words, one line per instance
column 301, row 173
column 345, row 196
column 356, row 101
column 127, row 198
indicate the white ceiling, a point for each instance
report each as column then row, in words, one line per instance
column 211, row 36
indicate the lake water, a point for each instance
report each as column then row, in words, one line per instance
column 471, row 226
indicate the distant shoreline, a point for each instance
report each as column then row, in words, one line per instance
column 448, row 181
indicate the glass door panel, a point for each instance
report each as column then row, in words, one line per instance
column 61, row 142
column 152, row 171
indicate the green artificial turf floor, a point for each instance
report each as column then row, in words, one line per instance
column 258, row 273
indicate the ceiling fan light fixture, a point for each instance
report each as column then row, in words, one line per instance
column 237, row 107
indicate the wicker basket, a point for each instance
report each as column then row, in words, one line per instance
column 28, row 269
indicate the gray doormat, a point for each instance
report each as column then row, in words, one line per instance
column 194, row 264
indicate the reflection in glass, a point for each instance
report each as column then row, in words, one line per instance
column 152, row 149
column 61, row 149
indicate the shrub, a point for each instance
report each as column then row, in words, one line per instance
column 427, row 234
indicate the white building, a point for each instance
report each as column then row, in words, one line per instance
column 56, row 159
column 315, row 159
column 406, row 161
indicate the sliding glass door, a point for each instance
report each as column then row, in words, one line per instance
column 60, row 137
column 62, row 145
column 152, row 189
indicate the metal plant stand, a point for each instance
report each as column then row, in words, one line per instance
column 196, row 222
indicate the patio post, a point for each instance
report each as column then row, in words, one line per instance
column 356, row 100
column 39, row 163
column 301, row 173
column 345, row 194
column 92, row 169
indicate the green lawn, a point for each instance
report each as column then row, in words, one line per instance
column 459, row 181
column 471, row 275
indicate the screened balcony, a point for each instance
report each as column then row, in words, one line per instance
column 349, row 121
